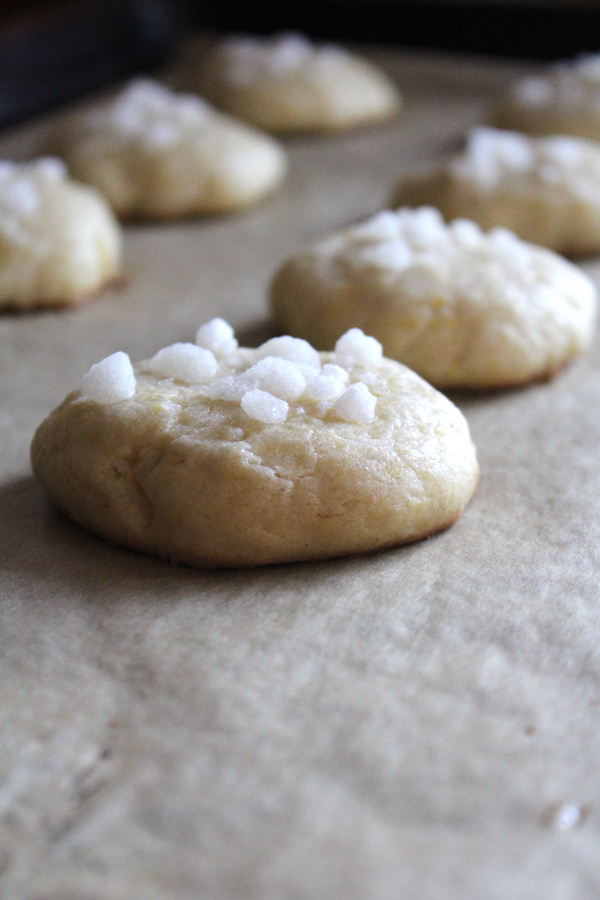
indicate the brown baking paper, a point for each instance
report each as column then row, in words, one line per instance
column 403, row 726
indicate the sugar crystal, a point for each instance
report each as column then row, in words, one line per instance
column 110, row 380
column 50, row 167
column 533, row 91
column 356, row 348
column 382, row 226
column 20, row 195
column 335, row 371
column 280, row 377
column 217, row 336
column 185, row 362
column 264, row 407
column 356, row 404
column 466, row 233
column 294, row 349
column 389, row 254
column 423, row 226
column 230, row 387
column 325, row 387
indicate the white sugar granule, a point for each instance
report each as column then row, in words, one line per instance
column 533, row 91
column 294, row 349
column 567, row 816
column 334, row 371
column 357, row 404
column 287, row 52
column 356, row 348
column 506, row 244
column 185, row 362
column 324, row 387
column 327, row 384
column 161, row 134
column 563, row 150
column 422, row 227
column 280, row 377
column 217, row 336
column 491, row 150
column 264, row 407
column 7, row 168
column 382, row 226
column 465, row 232
column 250, row 58
column 230, row 387
column 148, row 111
column 50, row 168
column 389, row 254
column 110, row 380
column 20, row 195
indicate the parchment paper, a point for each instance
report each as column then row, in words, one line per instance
column 403, row 726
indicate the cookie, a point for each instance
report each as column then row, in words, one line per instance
column 463, row 308
column 565, row 100
column 59, row 241
column 157, row 154
column 214, row 455
column 545, row 189
column 287, row 84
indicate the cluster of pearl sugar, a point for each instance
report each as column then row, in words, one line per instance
column 566, row 83
column 285, row 370
column 249, row 58
column 396, row 239
column 493, row 154
column 400, row 239
column 289, row 370
column 21, row 185
column 148, row 112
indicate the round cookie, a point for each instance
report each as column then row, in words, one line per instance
column 566, row 100
column 59, row 241
column 463, row 308
column 546, row 190
column 287, row 84
column 157, row 154
column 214, row 455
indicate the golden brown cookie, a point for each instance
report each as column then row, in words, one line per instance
column 214, row 455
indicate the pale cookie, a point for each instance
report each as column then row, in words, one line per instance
column 156, row 154
column 546, row 190
column 213, row 455
column 566, row 100
column 461, row 307
column 285, row 84
column 59, row 241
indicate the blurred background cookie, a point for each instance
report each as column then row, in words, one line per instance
column 565, row 100
column 286, row 83
column 461, row 307
column 157, row 154
column 546, row 190
column 59, row 241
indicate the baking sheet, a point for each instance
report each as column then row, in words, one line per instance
column 404, row 725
